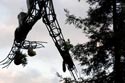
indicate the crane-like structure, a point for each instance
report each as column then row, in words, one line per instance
column 38, row 9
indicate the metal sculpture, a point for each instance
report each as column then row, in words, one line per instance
column 39, row 9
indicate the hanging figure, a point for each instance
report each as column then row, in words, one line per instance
column 67, row 60
column 23, row 29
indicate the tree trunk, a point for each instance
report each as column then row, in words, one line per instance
column 118, row 33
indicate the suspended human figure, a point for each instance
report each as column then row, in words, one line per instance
column 25, row 26
column 26, row 22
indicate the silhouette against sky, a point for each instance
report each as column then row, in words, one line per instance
column 42, row 67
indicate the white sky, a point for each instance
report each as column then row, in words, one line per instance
column 43, row 67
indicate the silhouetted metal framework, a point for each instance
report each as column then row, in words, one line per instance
column 18, row 47
column 40, row 9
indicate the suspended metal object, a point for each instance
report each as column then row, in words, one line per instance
column 40, row 9
column 16, row 51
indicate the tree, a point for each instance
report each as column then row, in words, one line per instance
column 103, row 55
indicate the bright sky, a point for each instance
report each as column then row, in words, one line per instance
column 43, row 67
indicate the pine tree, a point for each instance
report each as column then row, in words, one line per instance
column 103, row 55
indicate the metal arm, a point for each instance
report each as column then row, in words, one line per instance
column 36, row 10
column 21, row 32
column 49, row 18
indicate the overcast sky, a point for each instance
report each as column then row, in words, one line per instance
column 43, row 67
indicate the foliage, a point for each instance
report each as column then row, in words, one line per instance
column 67, row 79
column 97, row 54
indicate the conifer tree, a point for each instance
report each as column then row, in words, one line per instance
column 104, row 53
